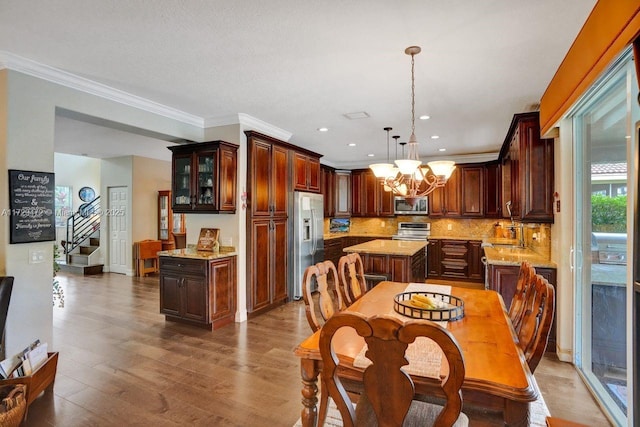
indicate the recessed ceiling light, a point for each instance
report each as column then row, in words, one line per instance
column 434, row 137
column 357, row 115
column 323, row 129
column 425, row 117
column 442, row 149
column 352, row 144
column 627, row 137
column 370, row 155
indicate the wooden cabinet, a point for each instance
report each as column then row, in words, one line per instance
column 492, row 190
column 369, row 198
column 168, row 222
column 472, row 190
column 333, row 250
column 463, row 194
column 503, row 279
column 527, row 163
column 399, row 268
column 455, row 259
column 328, row 190
column 343, row 194
column 203, row 177
column 267, row 283
column 267, row 232
column 198, row 291
column 268, row 177
column 306, row 172
column 446, row 201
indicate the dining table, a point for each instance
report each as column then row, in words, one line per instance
column 496, row 372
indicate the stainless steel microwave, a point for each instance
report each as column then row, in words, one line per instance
column 402, row 207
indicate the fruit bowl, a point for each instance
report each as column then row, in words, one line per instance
column 452, row 307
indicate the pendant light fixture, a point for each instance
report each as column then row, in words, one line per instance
column 383, row 170
column 413, row 181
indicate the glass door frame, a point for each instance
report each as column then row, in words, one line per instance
column 621, row 69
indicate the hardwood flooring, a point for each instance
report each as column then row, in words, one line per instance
column 122, row 364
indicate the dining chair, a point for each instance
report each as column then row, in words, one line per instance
column 6, row 286
column 352, row 280
column 323, row 274
column 536, row 321
column 516, row 309
column 387, row 397
column 329, row 298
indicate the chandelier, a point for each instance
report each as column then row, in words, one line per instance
column 409, row 179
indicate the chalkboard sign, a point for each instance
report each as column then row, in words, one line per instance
column 32, row 206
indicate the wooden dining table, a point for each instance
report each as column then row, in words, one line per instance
column 496, row 372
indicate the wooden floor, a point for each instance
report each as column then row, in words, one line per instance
column 122, row 364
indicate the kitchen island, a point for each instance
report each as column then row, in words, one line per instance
column 198, row 287
column 399, row 260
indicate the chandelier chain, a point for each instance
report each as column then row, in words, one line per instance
column 413, row 96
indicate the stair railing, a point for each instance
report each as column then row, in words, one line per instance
column 81, row 225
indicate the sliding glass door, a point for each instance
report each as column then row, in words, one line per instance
column 604, row 133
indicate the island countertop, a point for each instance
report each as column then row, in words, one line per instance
column 388, row 247
column 192, row 253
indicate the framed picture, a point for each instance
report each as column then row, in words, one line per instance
column 32, row 206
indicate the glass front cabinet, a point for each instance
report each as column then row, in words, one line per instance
column 168, row 221
column 204, row 177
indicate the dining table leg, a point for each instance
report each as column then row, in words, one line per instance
column 516, row 414
column 309, row 371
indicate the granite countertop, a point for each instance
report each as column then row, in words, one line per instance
column 515, row 256
column 388, row 247
column 225, row 252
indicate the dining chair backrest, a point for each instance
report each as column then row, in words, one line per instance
column 536, row 322
column 6, row 286
column 329, row 302
column 352, row 281
column 388, row 391
column 525, row 278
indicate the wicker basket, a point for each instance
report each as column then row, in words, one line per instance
column 13, row 398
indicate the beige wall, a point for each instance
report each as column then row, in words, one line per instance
column 149, row 177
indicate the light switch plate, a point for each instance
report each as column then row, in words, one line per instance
column 36, row 256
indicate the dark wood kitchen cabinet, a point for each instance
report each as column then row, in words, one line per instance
column 446, row 201
column 343, row 193
column 268, row 181
column 527, row 170
column 203, row 177
column 472, row 191
column 492, row 190
column 200, row 292
column 328, row 190
column 455, row 259
column 268, row 165
column 368, row 196
column 503, row 279
column 306, row 172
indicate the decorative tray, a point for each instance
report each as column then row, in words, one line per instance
column 452, row 307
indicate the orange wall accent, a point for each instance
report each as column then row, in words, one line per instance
column 611, row 26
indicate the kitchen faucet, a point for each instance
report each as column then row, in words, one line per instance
column 513, row 227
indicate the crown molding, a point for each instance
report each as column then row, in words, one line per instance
column 251, row 122
column 63, row 78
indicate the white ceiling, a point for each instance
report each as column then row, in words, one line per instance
column 301, row 65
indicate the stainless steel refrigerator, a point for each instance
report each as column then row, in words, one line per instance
column 308, row 240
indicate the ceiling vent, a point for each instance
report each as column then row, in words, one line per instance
column 357, row 115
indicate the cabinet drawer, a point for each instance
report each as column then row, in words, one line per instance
column 184, row 265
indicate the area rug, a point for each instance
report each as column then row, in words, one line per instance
column 539, row 413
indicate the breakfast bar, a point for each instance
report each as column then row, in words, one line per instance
column 399, row 260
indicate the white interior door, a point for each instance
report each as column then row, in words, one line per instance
column 118, row 230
